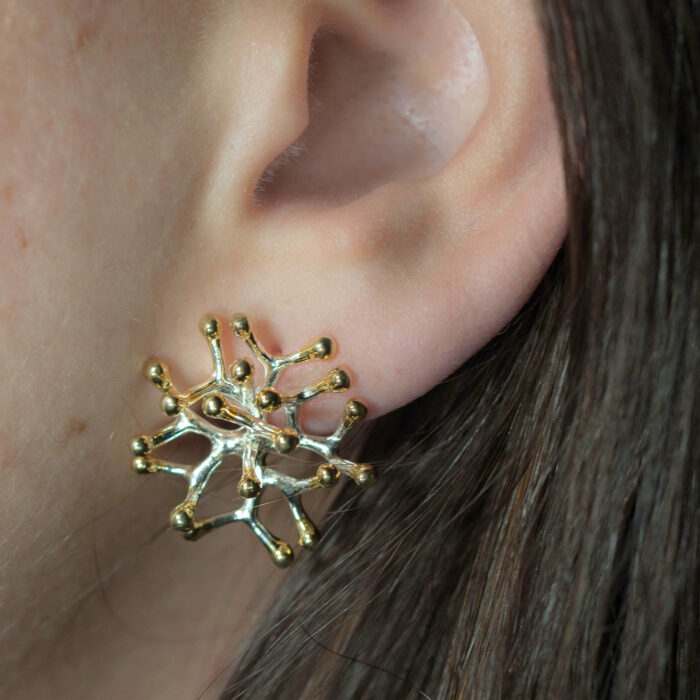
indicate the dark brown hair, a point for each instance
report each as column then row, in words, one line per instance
column 535, row 530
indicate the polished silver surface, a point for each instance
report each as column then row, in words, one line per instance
column 232, row 397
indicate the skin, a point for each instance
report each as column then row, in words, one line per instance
column 133, row 139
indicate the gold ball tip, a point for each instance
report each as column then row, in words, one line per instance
column 213, row 405
column 170, row 405
column 268, row 400
column 322, row 348
column 182, row 519
column 327, row 475
column 240, row 325
column 157, row 373
column 356, row 410
column 249, row 487
column 152, row 369
column 241, row 370
column 282, row 555
column 339, row 380
column 364, row 475
column 140, row 465
column 209, row 327
column 140, row 445
column 308, row 539
column 286, row 441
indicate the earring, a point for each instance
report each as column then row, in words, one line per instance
column 231, row 397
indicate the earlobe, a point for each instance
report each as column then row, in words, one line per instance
column 410, row 274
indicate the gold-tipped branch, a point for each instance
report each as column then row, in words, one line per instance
column 355, row 411
column 241, row 327
column 210, row 328
column 149, row 465
column 335, row 381
column 320, row 349
column 308, row 534
column 145, row 444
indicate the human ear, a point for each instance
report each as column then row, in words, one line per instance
column 392, row 177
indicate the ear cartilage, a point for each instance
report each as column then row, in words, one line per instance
column 232, row 399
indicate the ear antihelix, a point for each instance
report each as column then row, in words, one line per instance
column 396, row 104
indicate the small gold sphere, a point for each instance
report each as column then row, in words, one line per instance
column 339, row 380
column 241, row 370
column 249, row 487
column 170, row 405
column 364, row 475
column 140, row 465
column 157, row 373
column 182, row 518
column 355, row 410
column 269, row 400
column 140, row 445
column 240, row 325
column 282, row 555
column 153, row 369
column 322, row 348
column 286, row 441
column 213, row 405
column 309, row 538
column 327, row 475
column 209, row 327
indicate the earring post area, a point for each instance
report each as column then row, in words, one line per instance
column 231, row 396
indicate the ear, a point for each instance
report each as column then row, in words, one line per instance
column 390, row 176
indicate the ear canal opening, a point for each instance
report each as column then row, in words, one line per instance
column 399, row 108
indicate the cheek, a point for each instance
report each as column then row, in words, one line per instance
column 88, row 129
column 43, row 158
column 71, row 218
column 38, row 271
column 14, row 251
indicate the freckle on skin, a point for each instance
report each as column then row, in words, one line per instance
column 85, row 35
column 75, row 427
column 7, row 193
column 21, row 238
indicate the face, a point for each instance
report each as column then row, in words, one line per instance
column 160, row 160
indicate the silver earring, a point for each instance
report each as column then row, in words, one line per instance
column 231, row 396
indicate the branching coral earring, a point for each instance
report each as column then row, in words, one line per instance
column 231, row 396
